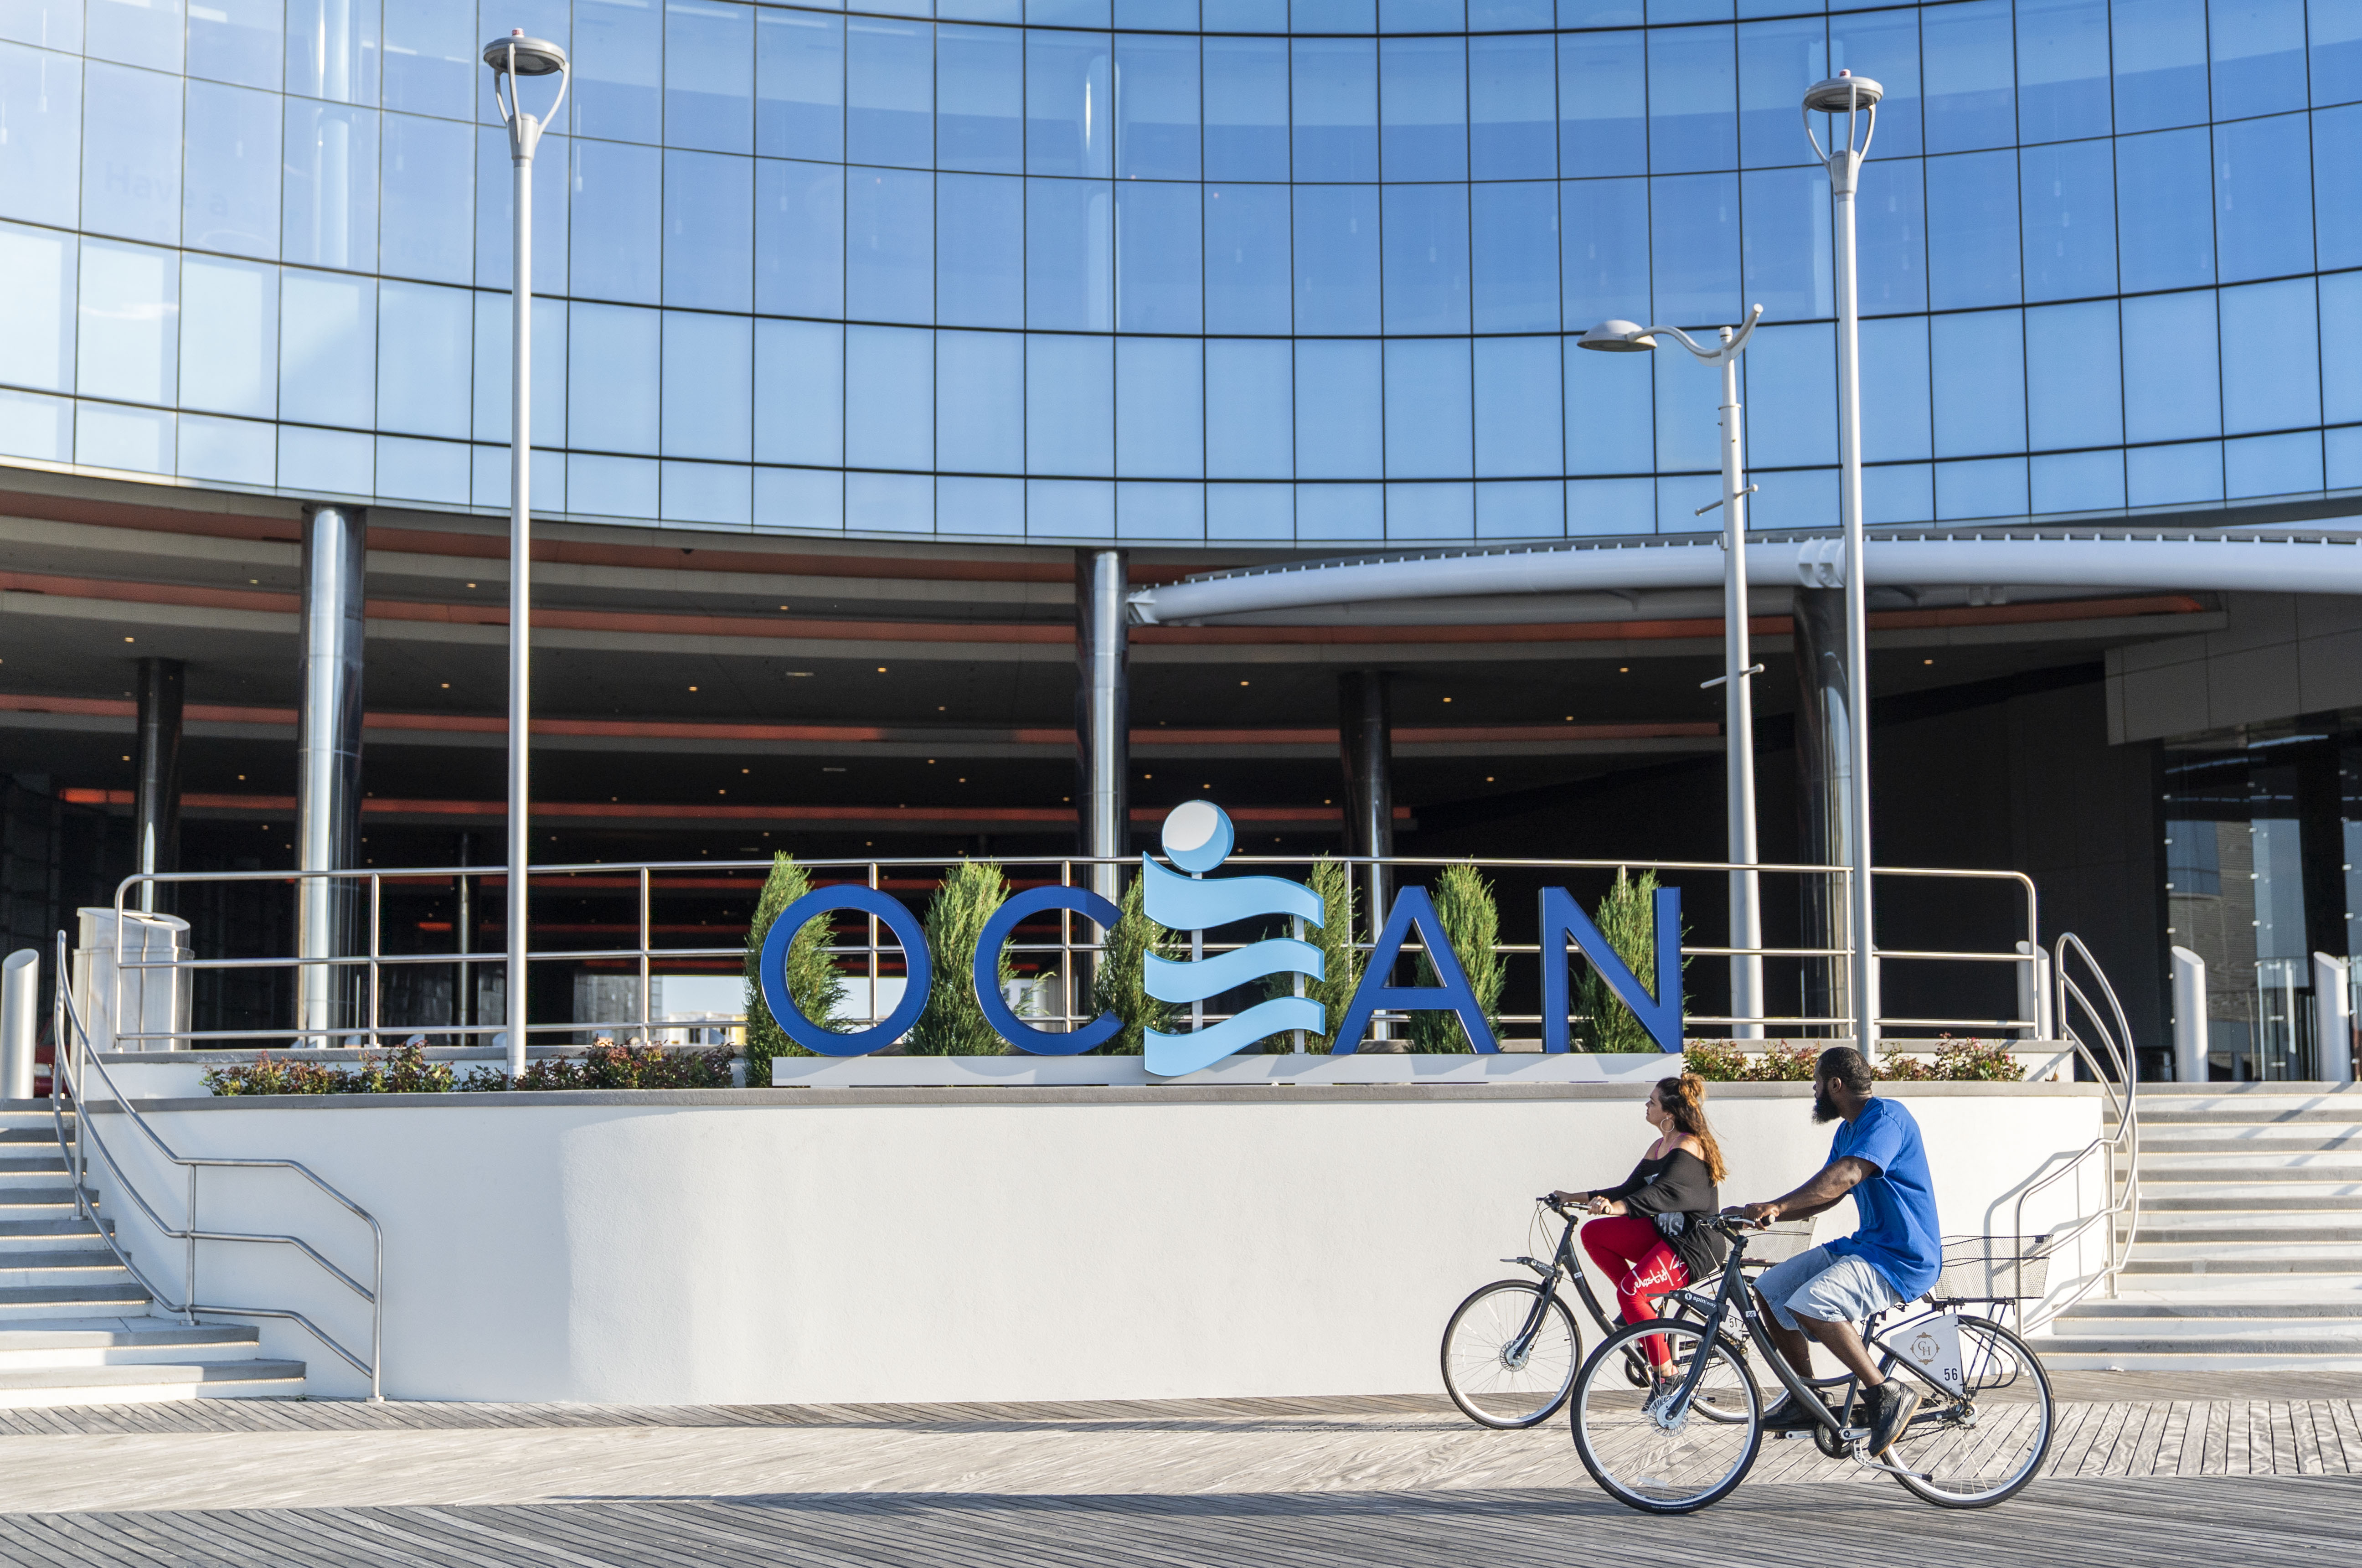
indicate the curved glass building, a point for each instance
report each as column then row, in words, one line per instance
column 1185, row 269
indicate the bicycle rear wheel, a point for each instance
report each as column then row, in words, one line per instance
column 1979, row 1449
column 1504, row 1368
column 1650, row 1457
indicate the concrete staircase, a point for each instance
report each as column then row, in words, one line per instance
column 73, row 1323
column 2249, row 1252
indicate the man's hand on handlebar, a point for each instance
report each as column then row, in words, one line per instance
column 1756, row 1214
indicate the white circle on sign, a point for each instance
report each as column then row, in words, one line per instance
column 1198, row 836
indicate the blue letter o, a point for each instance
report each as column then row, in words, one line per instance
column 898, row 920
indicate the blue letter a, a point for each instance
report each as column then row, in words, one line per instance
column 1413, row 908
column 1564, row 921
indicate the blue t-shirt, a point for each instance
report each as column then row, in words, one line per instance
column 1899, row 1235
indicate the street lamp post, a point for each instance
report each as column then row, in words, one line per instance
column 1737, row 670
column 513, row 58
column 1852, row 96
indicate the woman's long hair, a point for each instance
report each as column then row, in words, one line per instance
column 1684, row 1100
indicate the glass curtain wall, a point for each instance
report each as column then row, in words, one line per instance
column 1185, row 269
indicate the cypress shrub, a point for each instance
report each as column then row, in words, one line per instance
column 954, row 1025
column 1121, row 985
column 1628, row 917
column 1332, row 880
column 1471, row 923
column 812, row 980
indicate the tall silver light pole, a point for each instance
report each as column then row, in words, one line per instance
column 1852, row 96
column 512, row 58
column 1737, row 670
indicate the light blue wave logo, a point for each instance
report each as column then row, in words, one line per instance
column 1197, row 837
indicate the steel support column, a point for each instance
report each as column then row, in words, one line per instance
column 1102, row 715
column 1823, row 794
column 328, row 759
column 1367, row 752
column 156, row 803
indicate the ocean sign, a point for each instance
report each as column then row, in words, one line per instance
column 1197, row 838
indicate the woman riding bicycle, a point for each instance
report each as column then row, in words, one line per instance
column 1652, row 1234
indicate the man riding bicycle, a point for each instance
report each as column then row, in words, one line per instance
column 1878, row 1159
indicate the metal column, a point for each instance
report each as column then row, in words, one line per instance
column 1102, row 714
column 156, row 808
column 1823, row 794
column 328, row 759
column 1366, row 751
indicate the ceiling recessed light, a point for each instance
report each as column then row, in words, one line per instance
column 1447, row 698
column 1243, row 683
column 447, row 686
column 799, row 674
column 1623, row 669
column 826, row 769
column 130, row 639
column 127, row 759
column 471, row 585
column 693, row 688
column 1926, row 661
column 1488, row 779
column 881, row 669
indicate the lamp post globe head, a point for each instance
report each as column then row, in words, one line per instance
column 531, row 56
column 1618, row 337
column 1842, row 93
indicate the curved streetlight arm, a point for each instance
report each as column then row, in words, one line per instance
column 525, row 131
column 1721, row 351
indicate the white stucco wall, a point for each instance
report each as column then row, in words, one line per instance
column 820, row 1245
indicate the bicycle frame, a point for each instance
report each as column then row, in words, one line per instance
column 1562, row 1262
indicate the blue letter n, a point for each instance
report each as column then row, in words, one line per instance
column 1564, row 921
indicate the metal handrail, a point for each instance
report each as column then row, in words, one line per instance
column 72, row 1040
column 2115, row 1041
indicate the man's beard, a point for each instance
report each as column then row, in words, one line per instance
column 1824, row 1107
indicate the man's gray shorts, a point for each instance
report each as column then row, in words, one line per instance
column 1830, row 1287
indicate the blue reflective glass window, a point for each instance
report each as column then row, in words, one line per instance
column 2162, row 183
column 333, row 49
column 618, row 64
column 1988, row 489
column 425, row 351
column 2263, row 186
column 2160, row 59
column 1792, row 420
column 1804, row 498
column 495, row 201
column 889, row 242
column 137, row 35
column 2070, row 193
column 1153, row 511
column 327, row 347
column 799, row 85
column 799, row 239
column 1165, row 16
column 2062, row 70
column 1069, row 104
column 1513, row 107
column 1693, row 100
column 1604, row 250
column 2272, row 379
column 1250, row 511
column 980, row 401
column 1896, row 423
column 1595, row 507
column 130, row 302
column 1336, row 258
column 1519, row 425
column 989, row 506
column 1333, row 16
column 2074, row 389
column 237, row 41
column 799, row 392
column 1789, row 263
column 1602, row 104
column 131, row 153
column 979, row 250
column 1505, row 16
column 1884, row 46
column 1328, row 512
column 710, row 75
column 890, row 503
column 1335, row 105
column 1693, row 224
column 1426, row 258
column 329, row 198
column 1527, row 509
column 41, row 160
column 1974, row 251
column 495, row 341
column 230, row 191
column 618, row 227
column 1689, row 423
column 2337, row 219
column 1430, row 418
column 1244, row 15
column 1250, row 408
column 1247, row 251
column 1340, row 409
column 1610, row 413
column 2341, row 379
column 1431, row 511
column 1069, row 405
column 1423, row 108
column 1160, row 413
column 2076, row 481
column 1157, row 246
column 889, row 93
column 1514, row 270
column 705, row 493
column 1971, row 70
column 2163, row 476
column 2333, row 35
column 709, row 231
column 1054, row 12
column 889, row 372
column 1422, row 15
column 709, row 386
column 2171, row 366
column 37, row 269
column 1246, row 108
column 1157, row 108
column 1069, row 509
column 980, row 100
column 1980, row 381
column 431, row 66
column 614, row 376
column 1898, row 492
column 229, row 339
column 1069, row 255
column 1773, row 59
column 429, row 188
column 2258, row 50
column 2261, row 465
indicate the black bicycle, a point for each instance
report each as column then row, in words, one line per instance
column 1982, row 1429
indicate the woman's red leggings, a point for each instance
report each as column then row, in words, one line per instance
column 1628, row 1251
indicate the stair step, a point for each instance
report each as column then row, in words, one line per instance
column 2231, row 1231
column 2348, row 1310
column 22, row 1301
column 2174, row 1167
column 57, row 1344
column 79, row 1267
column 2294, row 1115
column 2174, row 1142
column 252, row 1379
column 64, row 1224
column 2182, row 1258
column 2282, row 1196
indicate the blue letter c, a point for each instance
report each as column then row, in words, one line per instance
column 898, row 920
column 997, row 932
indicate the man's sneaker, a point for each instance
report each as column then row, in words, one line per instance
column 1788, row 1416
column 1890, row 1408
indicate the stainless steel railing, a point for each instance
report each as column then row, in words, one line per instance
column 2103, row 1041
column 68, row 1086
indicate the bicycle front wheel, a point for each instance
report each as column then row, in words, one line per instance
column 1649, row 1455
column 1509, row 1356
column 1979, row 1447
